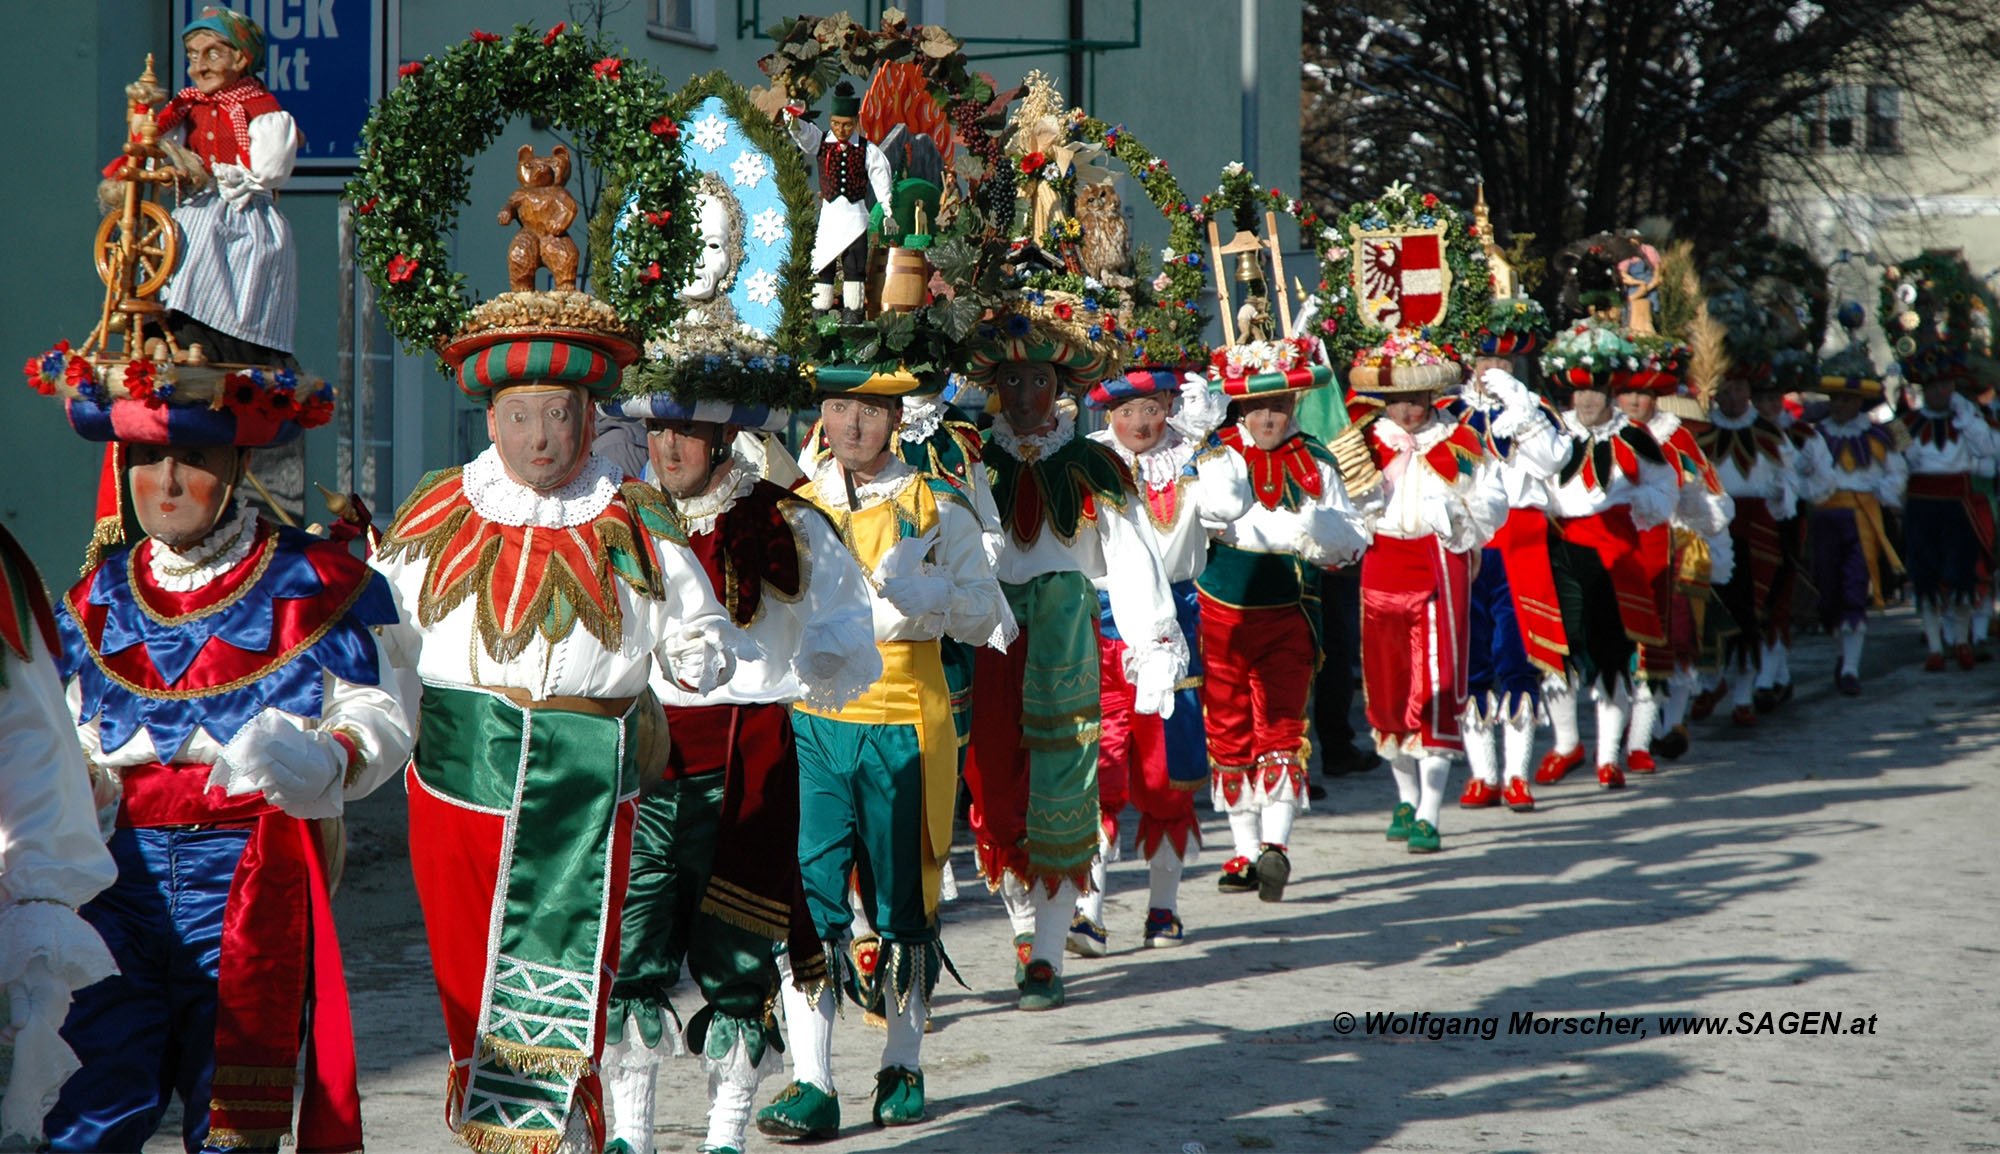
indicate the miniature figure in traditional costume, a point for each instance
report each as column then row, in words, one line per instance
column 851, row 170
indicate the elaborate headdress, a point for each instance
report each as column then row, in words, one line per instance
column 733, row 356
column 1850, row 372
column 1403, row 365
column 1260, row 353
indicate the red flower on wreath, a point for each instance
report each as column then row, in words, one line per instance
column 401, row 268
column 650, row 273
column 368, row 206
column 316, row 410
column 79, row 372
column 664, row 126
column 1430, row 200
column 411, row 69
column 240, row 391
column 479, row 37
column 1472, row 230
column 140, row 377
column 1062, row 310
column 660, row 219
column 1033, row 162
column 550, row 37
column 278, row 404
column 607, row 68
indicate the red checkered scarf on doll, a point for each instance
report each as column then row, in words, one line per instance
column 232, row 98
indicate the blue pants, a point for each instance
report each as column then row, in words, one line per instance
column 1186, row 737
column 149, row 1031
column 1499, row 678
column 1940, row 551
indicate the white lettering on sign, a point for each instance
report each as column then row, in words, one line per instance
column 288, row 19
column 284, row 23
column 287, row 70
column 319, row 20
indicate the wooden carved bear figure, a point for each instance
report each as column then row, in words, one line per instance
column 546, row 210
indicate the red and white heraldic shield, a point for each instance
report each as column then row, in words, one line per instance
column 1400, row 277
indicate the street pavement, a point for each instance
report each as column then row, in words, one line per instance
column 1838, row 858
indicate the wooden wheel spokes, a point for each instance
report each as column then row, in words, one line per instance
column 147, row 253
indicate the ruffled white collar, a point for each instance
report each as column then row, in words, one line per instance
column 1722, row 420
column 832, row 485
column 222, row 550
column 1860, row 424
column 921, row 418
column 500, row 499
column 1425, row 438
column 699, row 512
column 1603, row 432
column 1037, row 446
column 1662, row 426
column 1159, row 466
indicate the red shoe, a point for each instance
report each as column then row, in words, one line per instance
column 1556, row 766
column 1638, row 761
column 1610, row 777
column 1516, row 795
column 1934, row 663
column 1965, row 655
column 1478, row 795
column 1706, row 701
column 1744, row 716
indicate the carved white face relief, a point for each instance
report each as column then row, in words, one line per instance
column 711, row 269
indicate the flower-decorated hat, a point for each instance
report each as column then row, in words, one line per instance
column 732, row 357
column 1514, row 327
column 1063, row 329
column 1135, row 383
column 547, row 338
column 1588, row 354
column 1850, row 372
column 1660, row 367
column 1402, row 365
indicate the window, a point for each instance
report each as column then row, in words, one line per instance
column 1885, row 118
column 1843, row 109
column 683, row 21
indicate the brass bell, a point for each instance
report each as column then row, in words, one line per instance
column 1249, row 268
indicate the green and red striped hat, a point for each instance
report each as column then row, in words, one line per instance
column 490, row 361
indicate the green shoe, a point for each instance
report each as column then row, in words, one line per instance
column 1424, row 838
column 1024, row 948
column 1041, row 988
column 703, row 1150
column 899, row 1096
column 1399, row 822
column 802, row 1111
column 618, row 1146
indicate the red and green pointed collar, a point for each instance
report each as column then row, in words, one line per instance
column 1060, row 487
column 1456, row 455
column 1285, row 477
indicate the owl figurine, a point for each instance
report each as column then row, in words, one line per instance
column 1107, row 237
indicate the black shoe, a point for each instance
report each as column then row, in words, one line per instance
column 1346, row 759
column 1315, row 791
column 1672, row 743
column 1766, row 700
column 1273, row 870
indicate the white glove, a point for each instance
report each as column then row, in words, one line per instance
column 1507, row 388
column 1721, row 559
column 906, row 557
column 1650, row 507
column 919, row 595
column 1438, row 514
column 296, row 769
column 1963, row 413
column 1153, row 685
column 1328, row 539
column 697, row 662
column 1202, row 409
column 38, row 992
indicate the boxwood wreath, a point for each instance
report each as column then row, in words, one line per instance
column 813, row 53
column 772, row 380
column 1400, row 206
column 1166, row 330
column 414, row 178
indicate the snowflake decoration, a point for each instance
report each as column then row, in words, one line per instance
column 748, row 170
column 761, row 287
column 710, row 133
column 768, row 226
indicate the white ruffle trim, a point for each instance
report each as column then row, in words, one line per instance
column 921, row 418
column 1039, row 445
column 699, row 513
column 223, row 549
column 860, row 668
column 832, row 485
column 1159, row 466
column 500, row 499
column 71, row 956
column 736, row 1069
column 56, row 935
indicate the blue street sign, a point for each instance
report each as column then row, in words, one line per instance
column 327, row 62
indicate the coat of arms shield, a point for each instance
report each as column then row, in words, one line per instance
column 1401, row 280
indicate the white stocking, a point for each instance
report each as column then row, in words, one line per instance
column 1020, row 909
column 1052, row 917
column 1091, row 905
column 1274, row 824
column 1851, row 637
column 1480, row 753
column 1559, row 699
column 1243, row 830
column 1959, row 623
column 1933, row 626
column 1679, row 689
column 906, row 1034
column 1645, row 716
column 1612, row 707
column 732, row 1091
column 1519, row 736
column 1403, row 768
column 1165, row 870
column 1767, row 668
column 1742, row 692
column 1982, row 624
column 808, row 1029
column 1435, row 772
column 1781, row 655
column 631, row 1080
